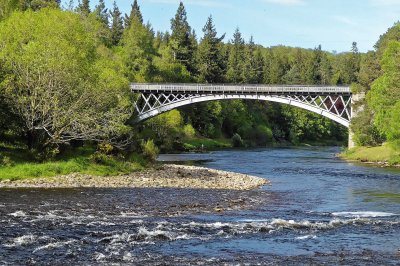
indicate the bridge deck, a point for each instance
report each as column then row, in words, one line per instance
column 238, row 89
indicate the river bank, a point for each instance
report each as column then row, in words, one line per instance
column 382, row 156
column 166, row 176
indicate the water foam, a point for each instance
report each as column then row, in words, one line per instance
column 54, row 245
column 18, row 214
column 22, row 241
column 306, row 237
column 363, row 214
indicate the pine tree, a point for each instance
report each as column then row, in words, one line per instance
column 253, row 64
column 84, row 7
column 138, row 50
column 135, row 13
column 211, row 64
column 181, row 42
column 354, row 63
column 102, row 13
column 236, row 58
column 117, row 25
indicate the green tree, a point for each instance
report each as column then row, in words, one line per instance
column 84, row 7
column 314, row 75
column 236, row 59
column 392, row 34
column 138, row 51
column 117, row 25
column 253, row 64
column 101, row 12
column 362, row 125
column 211, row 65
column 181, row 43
column 384, row 96
column 135, row 15
column 60, row 83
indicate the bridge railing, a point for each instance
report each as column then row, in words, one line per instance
column 221, row 88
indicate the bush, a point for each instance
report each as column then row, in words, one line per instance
column 189, row 131
column 263, row 135
column 150, row 150
column 237, row 141
column 6, row 161
column 101, row 158
column 105, row 148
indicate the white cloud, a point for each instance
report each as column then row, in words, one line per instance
column 286, row 2
column 204, row 3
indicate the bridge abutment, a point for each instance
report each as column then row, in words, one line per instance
column 356, row 108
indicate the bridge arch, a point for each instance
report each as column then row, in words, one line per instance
column 332, row 102
column 206, row 98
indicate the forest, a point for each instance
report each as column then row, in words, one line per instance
column 65, row 74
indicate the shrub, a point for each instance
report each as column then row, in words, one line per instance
column 263, row 135
column 101, row 158
column 150, row 150
column 189, row 131
column 6, row 161
column 105, row 148
column 237, row 141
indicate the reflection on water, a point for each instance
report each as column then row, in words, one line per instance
column 319, row 210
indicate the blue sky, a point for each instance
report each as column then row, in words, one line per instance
column 334, row 24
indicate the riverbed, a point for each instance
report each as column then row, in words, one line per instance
column 317, row 210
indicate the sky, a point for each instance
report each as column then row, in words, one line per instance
column 334, row 24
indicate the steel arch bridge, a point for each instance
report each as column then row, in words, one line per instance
column 333, row 102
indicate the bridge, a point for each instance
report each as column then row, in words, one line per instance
column 333, row 102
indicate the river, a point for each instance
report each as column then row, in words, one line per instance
column 317, row 210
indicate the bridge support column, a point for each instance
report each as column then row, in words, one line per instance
column 352, row 144
column 355, row 109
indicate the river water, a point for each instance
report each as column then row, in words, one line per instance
column 318, row 210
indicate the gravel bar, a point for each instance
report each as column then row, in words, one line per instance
column 168, row 176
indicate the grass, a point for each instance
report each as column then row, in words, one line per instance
column 21, row 165
column 195, row 144
column 386, row 153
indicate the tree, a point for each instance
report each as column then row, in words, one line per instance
column 117, row 25
column 235, row 71
column 9, row 5
column 102, row 13
column 392, row 34
column 135, row 14
column 138, row 51
column 253, row 64
column 181, row 43
column 384, row 96
column 84, row 7
column 60, row 82
column 211, row 65
column 315, row 70
column 353, row 64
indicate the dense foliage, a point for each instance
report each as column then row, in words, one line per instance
column 64, row 78
column 378, row 109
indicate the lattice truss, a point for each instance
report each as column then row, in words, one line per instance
column 150, row 102
column 338, row 105
column 335, row 104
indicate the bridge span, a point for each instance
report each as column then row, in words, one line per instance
column 333, row 102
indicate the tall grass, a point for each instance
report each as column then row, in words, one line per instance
column 386, row 153
column 22, row 165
